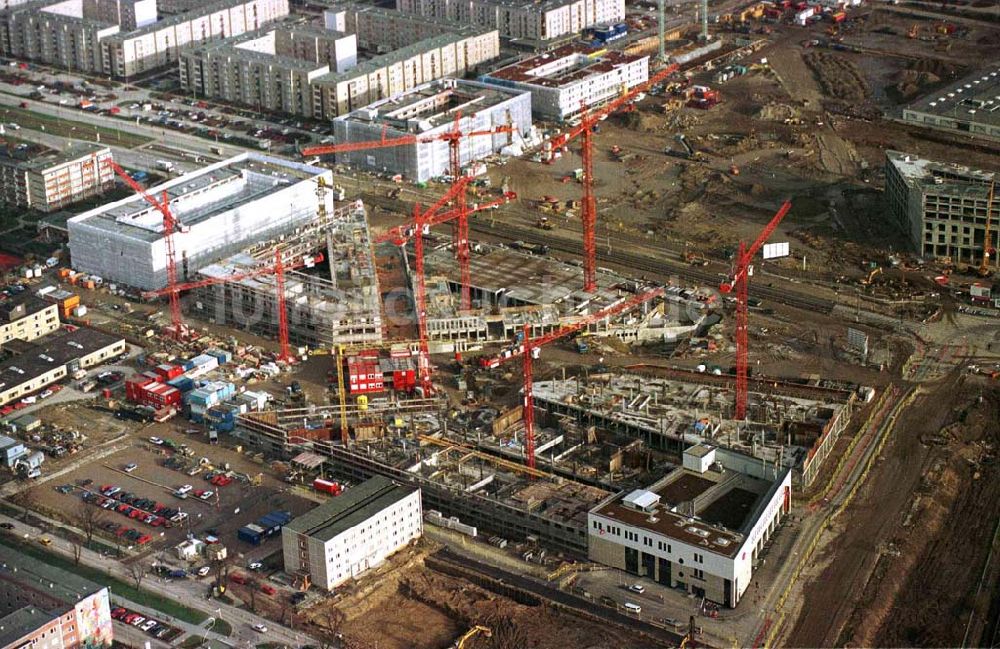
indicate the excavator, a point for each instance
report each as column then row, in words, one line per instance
column 471, row 633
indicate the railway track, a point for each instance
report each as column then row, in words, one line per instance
column 644, row 263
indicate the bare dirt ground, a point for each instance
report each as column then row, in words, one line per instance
column 406, row 604
column 911, row 548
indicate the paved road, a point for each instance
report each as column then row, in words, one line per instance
column 191, row 593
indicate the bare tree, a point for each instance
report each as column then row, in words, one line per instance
column 253, row 585
column 76, row 545
column 329, row 627
column 89, row 520
column 137, row 571
column 25, row 500
column 506, row 633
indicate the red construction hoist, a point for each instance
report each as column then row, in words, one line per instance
column 170, row 224
column 454, row 139
column 529, row 348
column 278, row 270
column 588, row 212
column 739, row 280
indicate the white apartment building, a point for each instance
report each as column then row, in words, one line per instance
column 27, row 317
column 58, row 32
column 522, row 19
column 701, row 528
column 50, row 180
column 568, row 78
column 353, row 532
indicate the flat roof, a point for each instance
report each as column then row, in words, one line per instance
column 976, row 98
column 36, row 158
column 32, row 304
column 224, row 186
column 432, row 105
column 726, row 503
column 54, row 350
column 29, row 572
column 351, row 508
column 577, row 63
column 21, row 622
column 945, row 177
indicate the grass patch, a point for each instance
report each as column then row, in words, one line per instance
column 72, row 129
column 222, row 627
column 192, row 642
column 128, row 591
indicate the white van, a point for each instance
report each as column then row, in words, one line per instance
column 634, row 609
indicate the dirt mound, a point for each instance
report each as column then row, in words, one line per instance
column 777, row 113
column 911, row 82
column 936, row 67
column 839, row 77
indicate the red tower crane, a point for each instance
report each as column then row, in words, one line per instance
column 528, row 348
column 454, row 139
column 277, row 269
column 588, row 212
column 739, row 280
column 170, row 224
column 421, row 222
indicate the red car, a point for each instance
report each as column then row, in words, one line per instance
column 237, row 578
column 144, row 539
column 267, row 589
column 6, row 410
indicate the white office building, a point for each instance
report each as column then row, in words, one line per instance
column 353, row 532
column 701, row 528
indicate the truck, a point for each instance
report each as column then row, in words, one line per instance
column 327, row 486
column 165, row 165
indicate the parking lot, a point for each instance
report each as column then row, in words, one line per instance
column 154, row 506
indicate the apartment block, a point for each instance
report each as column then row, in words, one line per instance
column 271, row 69
column 43, row 607
column 538, row 21
column 352, row 533
column 82, row 35
column 27, row 317
column 700, row 528
column 942, row 207
column 48, row 180
column 563, row 81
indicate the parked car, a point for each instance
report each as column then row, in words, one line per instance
column 130, row 467
column 260, row 628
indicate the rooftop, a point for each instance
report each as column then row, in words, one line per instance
column 37, row 158
column 30, row 573
column 200, row 195
column 976, row 98
column 950, row 177
column 431, row 105
column 713, row 510
column 44, row 354
column 21, row 306
column 351, row 508
column 564, row 66
column 22, row 622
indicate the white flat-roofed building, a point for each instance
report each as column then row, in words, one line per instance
column 540, row 21
column 428, row 111
column 572, row 77
column 699, row 529
column 353, row 532
column 50, row 180
column 221, row 209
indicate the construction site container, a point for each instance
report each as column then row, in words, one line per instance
column 167, row 371
column 327, row 486
column 272, row 523
column 252, row 534
column 182, row 383
column 221, row 355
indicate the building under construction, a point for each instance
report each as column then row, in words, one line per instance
column 512, row 288
column 334, row 302
column 221, row 209
column 427, row 112
column 788, row 425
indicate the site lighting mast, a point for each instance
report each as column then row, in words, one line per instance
column 529, row 349
column 739, row 281
column 170, row 225
column 277, row 269
column 585, row 129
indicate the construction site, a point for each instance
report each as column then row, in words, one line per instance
column 685, row 333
